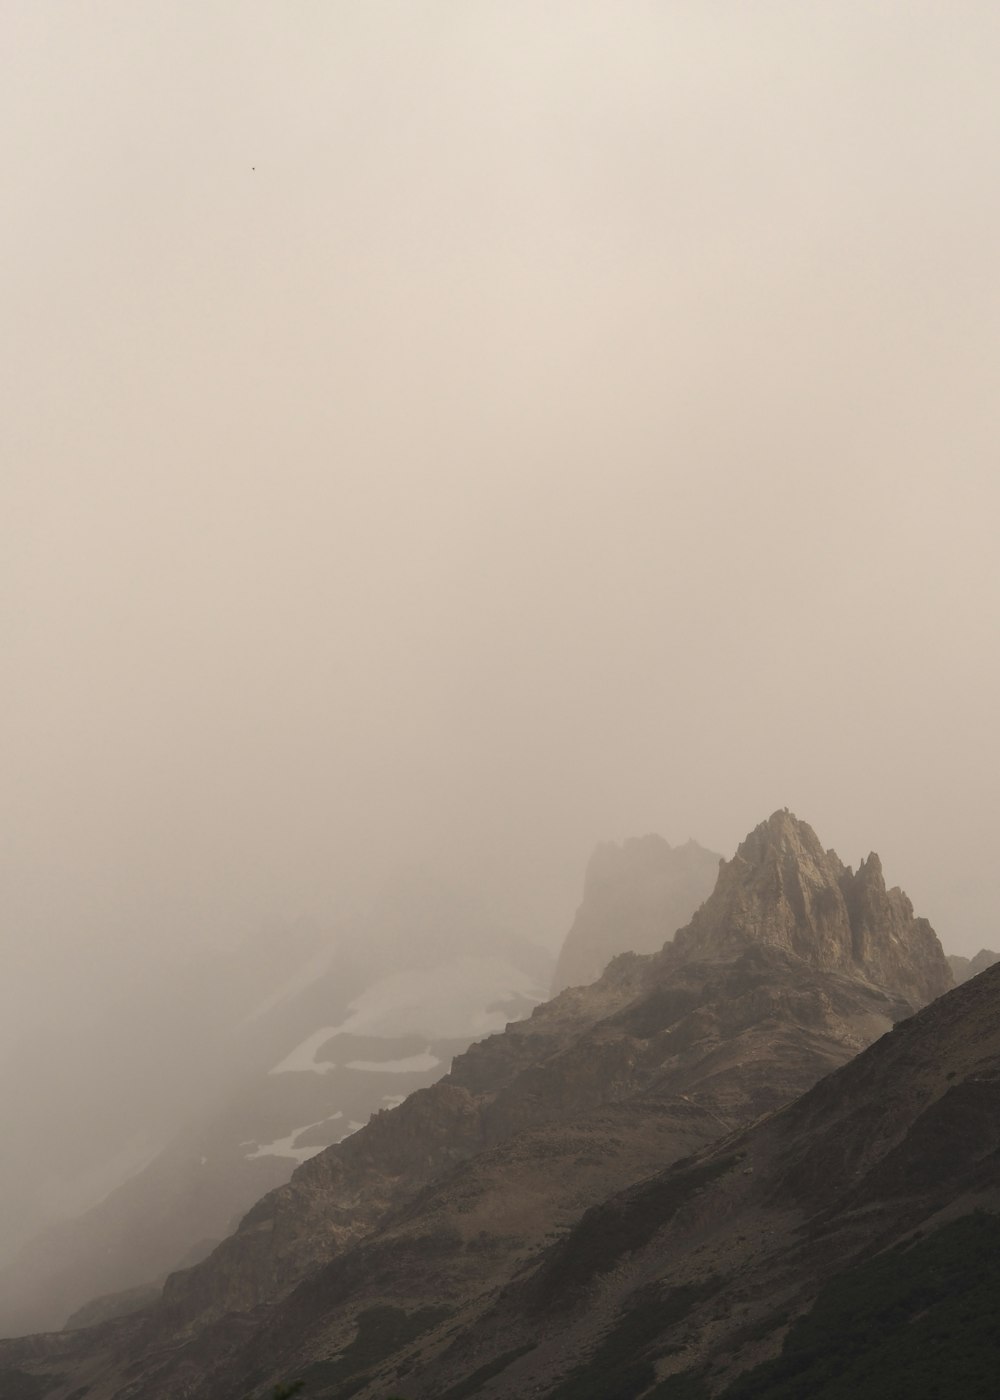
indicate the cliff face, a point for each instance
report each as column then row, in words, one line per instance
column 782, row 890
column 791, row 967
column 635, row 897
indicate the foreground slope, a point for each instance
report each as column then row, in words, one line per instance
column 346, row 1275
column 828, row 1211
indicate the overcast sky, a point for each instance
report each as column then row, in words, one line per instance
column 445, row 435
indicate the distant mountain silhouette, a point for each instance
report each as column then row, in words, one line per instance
column 635, row 897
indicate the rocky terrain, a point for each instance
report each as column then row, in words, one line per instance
column 422, row 1253
column 698, row 1275
column 635, row 897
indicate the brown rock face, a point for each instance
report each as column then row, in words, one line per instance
column 635, row 897
column 781, row 889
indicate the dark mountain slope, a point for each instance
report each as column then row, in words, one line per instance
column 697, row 1272
column 915, row 1322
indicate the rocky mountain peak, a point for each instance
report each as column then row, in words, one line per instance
column 780, row 836
column 782, row 889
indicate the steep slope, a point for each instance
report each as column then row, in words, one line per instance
column 441, row 1201
column 696, row 1273
column 635, row 897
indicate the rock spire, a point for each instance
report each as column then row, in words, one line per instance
column 782, row 889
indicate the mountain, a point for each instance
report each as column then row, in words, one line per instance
column 845, row 1245
column 381, row 1265
column 635, row 897
column 336, row 1037
column 964, row 968
column 783, row 890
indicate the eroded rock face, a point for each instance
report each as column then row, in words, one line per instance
column 782, row 890
column 635, row 897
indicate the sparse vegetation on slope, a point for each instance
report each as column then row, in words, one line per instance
column 381, row 1331
column 622, row 1367
column 916, row 1323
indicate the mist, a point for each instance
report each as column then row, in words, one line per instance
column 440, row 437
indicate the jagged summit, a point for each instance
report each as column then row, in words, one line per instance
column 782, row 889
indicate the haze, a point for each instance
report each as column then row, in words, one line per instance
column 442, row 436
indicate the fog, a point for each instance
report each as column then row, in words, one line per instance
column 439, row 437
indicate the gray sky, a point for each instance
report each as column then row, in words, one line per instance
column 449, row 434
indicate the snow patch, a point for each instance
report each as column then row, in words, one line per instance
column 456, row 1000
column 303, row 1057
column 465, row 999
column 285, row 1147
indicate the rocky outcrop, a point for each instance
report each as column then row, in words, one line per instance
column 964, row 968
column 635, row 897
column 783, row 890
